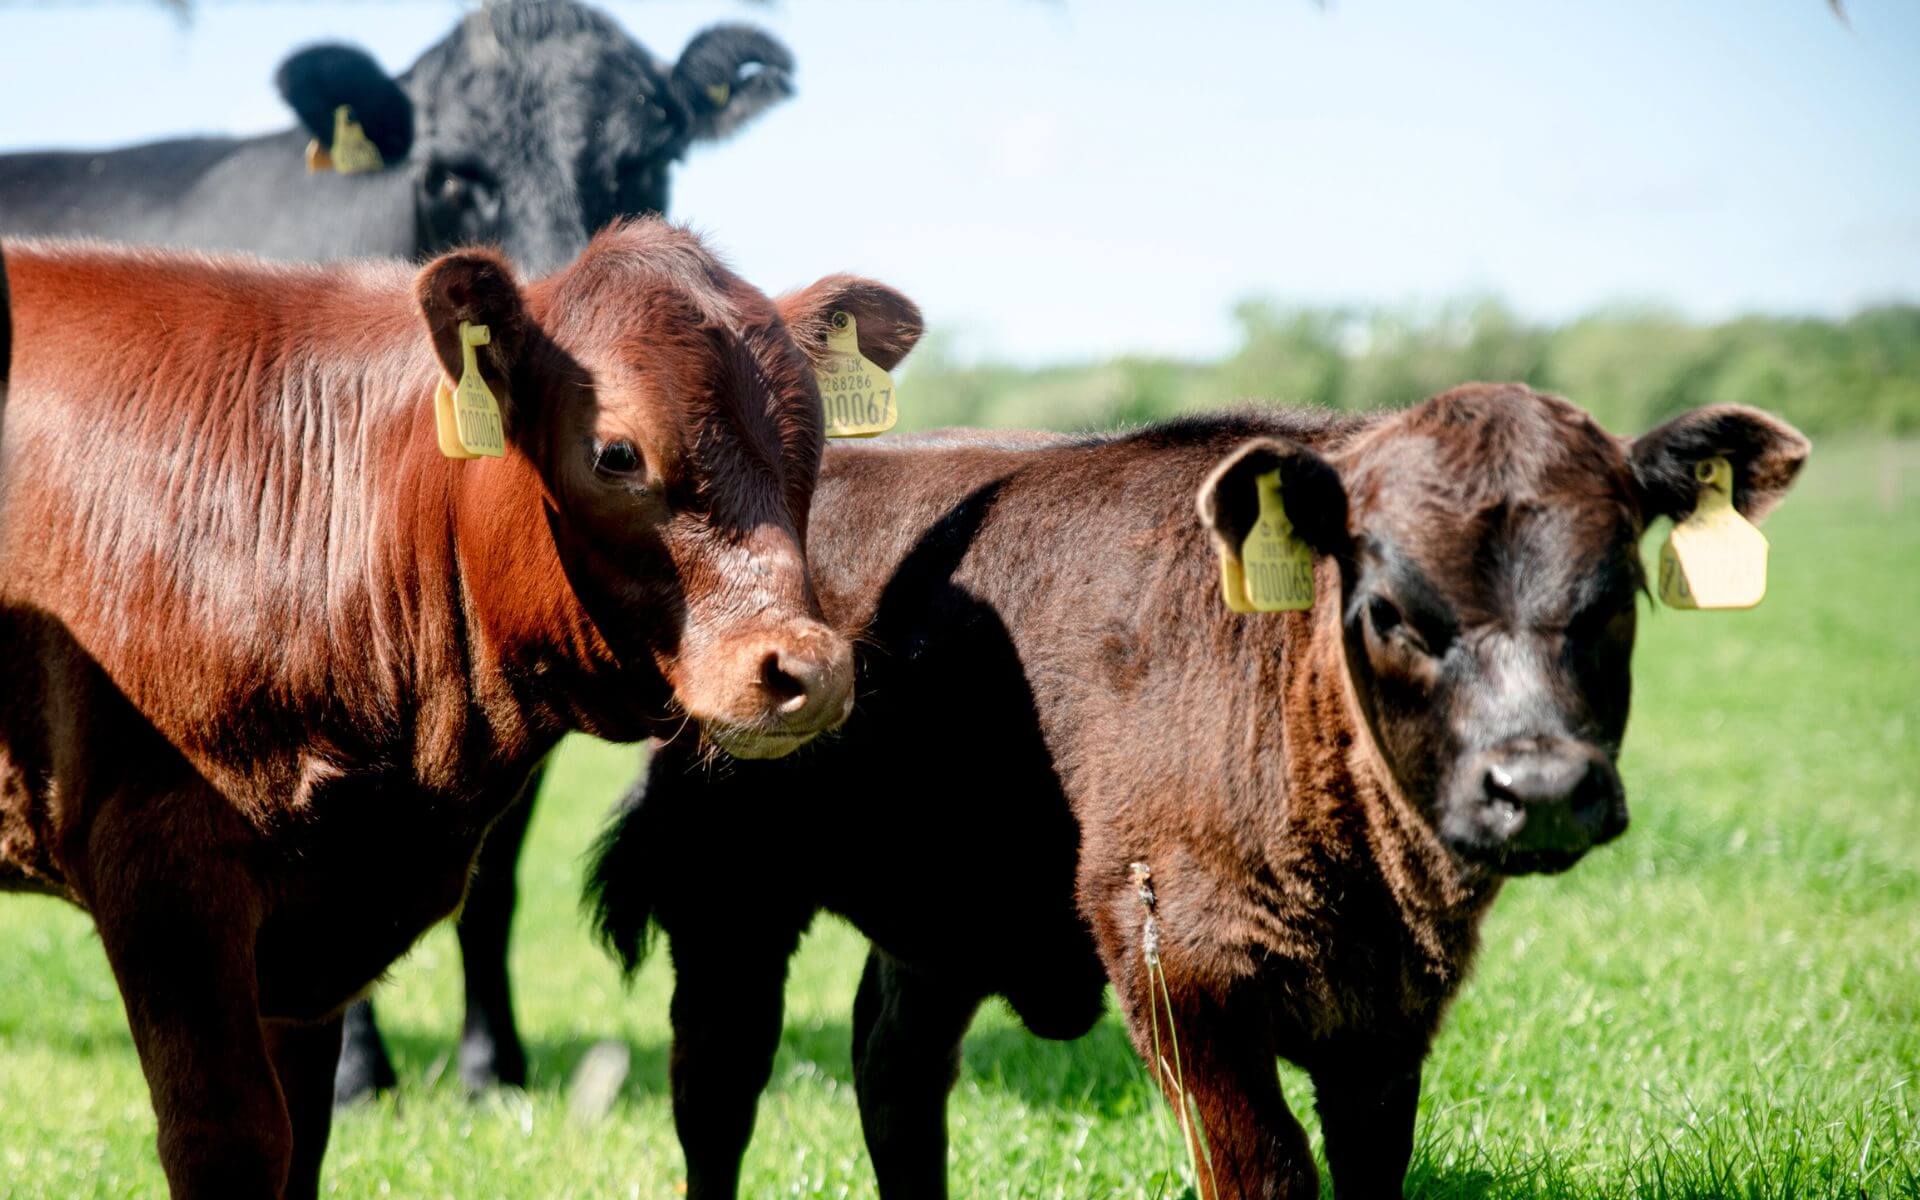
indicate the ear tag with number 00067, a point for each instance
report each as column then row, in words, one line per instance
column 1277, row 565
column 352, row 152
column 1715, row 558
column 856, row 393
column 466, row 417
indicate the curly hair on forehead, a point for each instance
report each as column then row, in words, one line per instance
column 1484, row 444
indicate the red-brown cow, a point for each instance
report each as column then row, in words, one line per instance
column 1326, row 802
column 264, row 642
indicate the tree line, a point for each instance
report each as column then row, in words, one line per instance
column 1630, row 367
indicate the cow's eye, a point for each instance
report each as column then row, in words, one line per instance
column 456, row 183
column 617, row 459
column 1390, row 625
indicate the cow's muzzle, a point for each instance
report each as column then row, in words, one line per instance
column 777, row 691
column 1534, row 806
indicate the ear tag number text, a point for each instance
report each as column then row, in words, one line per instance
column 1715, row 558
column 466, row 416
column 856, row 393
column 1276, row 564
column 352, row 151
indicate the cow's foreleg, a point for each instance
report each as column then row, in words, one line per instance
column 364, row 1067
column 304, row 1058
column 1216, row 1067
column 183, row 956
column 727, row 1004
column 490, row 1050
column 907, row 1029
column 1366, row 1100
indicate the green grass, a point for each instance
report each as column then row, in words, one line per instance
column 1724, row 1004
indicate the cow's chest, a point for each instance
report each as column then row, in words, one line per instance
column 370, row 867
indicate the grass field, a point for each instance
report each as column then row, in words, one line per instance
column 1724, row 1004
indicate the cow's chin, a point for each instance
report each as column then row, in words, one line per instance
column 745, row 742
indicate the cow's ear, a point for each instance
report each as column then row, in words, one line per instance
column 316, row 81
column 1765, row 452
column 1311, row 490
column 729, row 74
column 888, row 323
column 476, row 287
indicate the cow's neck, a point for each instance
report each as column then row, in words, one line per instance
column 1339, row 787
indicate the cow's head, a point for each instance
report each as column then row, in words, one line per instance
column 670, row 414
column 1488, row 550
column 536, row 122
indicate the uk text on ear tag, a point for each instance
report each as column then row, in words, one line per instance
column 466, row 416
column 1715, row 558
column 856, row 393
column 1277, row 564
column 352, row 152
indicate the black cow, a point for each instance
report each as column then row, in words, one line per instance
column 531, row 125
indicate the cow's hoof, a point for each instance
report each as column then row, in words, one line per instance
column 363, row 1073
column 486, row 1064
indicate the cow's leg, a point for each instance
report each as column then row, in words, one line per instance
column 304, row 1058
column 907, row 1028
column 490, row 1050
column 183, row 956
column 727, row 1003
column 1225, row 1090
column 364, row 1067
column 1366, row 1101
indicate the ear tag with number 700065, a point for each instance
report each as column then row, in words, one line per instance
column 466, row 417
column 1274, row 569
column 1715, row 558
column 855, row 391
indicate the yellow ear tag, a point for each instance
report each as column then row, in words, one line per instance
column 720, row 93
column 857, row 394
column 1233, row 582
column 1277, row 566
column 466, row 417
column 1715, row 558
column 351, row 152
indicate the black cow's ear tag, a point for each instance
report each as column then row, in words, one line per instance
column 1276, row 565
column 352, row 151
column 856, row 393
column 466, row 417
column 1715, row 558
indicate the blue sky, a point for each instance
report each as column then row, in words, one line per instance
column 1075, row 178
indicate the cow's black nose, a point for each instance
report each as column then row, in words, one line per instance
column 1555, row 799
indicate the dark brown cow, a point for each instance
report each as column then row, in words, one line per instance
column 1326, row 802
column 266, row 647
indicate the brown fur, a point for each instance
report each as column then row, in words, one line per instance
column 263, row 643
column 1053, row 692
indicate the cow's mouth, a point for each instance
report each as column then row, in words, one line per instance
column 746, row 742
column 1538, row 862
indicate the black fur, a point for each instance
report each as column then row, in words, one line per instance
column 317, row 80
column 531, row 125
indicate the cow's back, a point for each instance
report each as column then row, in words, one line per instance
column 208, row 193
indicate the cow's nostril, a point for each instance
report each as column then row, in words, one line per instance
column 786, row 689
